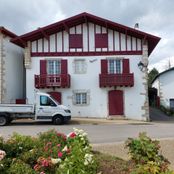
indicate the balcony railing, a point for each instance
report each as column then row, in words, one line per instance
column 109, row 80
column 47, row 81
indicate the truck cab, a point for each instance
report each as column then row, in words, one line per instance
column 49, row 109
column 44, row 108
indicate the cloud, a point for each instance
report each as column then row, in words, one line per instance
column 153, row 16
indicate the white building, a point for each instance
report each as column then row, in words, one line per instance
column 91, row 65
column 11, row 68
column 164, row 83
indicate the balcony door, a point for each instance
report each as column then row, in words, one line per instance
column 115, row 102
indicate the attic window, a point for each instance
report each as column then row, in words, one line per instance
column 101, row 40
column 75, row 41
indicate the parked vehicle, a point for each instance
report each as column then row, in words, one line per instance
column 45, row 108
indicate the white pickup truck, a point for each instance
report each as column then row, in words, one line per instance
column 45, row 108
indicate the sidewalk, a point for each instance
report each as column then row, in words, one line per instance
column 118, row 150
column 120, row 120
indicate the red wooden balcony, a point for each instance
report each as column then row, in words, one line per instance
column 109, row 80
column 48, row 81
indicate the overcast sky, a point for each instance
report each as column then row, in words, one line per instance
column 154, row 16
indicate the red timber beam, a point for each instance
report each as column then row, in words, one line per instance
column 43, row 33
column 66, row 27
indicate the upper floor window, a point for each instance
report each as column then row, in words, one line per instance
column 101, row 40
column 114, row 66
column 79, row 66
column 75, row 41
column 54, row 66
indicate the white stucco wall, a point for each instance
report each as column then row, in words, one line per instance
column 165, row 85
column 98, row 107
column 13, row 72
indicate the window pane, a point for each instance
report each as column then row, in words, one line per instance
column 114, row 66
column 84, row 99
column 81, row 98
column 78, row 100
column 43, row 100
column 54, row 67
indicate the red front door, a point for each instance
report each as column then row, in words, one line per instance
column 57, row 96
column 115, row 102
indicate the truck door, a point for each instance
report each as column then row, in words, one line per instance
column 45, row 108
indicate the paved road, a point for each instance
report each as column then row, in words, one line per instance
column 101, row 133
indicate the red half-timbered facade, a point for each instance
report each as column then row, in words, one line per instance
column 92, row 64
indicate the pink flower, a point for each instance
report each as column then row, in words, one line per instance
column 58, row 145
column 36, row 167
column 72, row 135
column 60, row 154
column 42, row 172
column 45, row 163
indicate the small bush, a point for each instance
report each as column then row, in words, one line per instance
column 50, row 153
column 19, row 167
column 145, row 153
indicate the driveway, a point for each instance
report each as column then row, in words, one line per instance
column 157, row 115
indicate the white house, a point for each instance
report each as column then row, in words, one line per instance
column 91, row 65
column 164, row 83
column 11, row 68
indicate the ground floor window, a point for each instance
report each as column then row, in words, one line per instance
column 81, row 97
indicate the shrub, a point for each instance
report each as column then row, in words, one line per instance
column 19, row 167
column 50, row 153
column 145, row 153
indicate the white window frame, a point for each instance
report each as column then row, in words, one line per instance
column 115, row 71
column 80, row 101
column 56, row 66
column 80, row 66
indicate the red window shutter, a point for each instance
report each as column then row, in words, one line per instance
column 104, row 66
column 64, row 67
column 101, row 40
column 126, row 66
column 75, row 41
column 43, row 67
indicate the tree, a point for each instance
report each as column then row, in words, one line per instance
column 151, row 75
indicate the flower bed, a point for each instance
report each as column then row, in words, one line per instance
column 49, row 153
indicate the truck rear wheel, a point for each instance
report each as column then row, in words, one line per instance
column 57, row 120
column 3, row 120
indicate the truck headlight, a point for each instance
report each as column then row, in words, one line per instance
column 67, row 111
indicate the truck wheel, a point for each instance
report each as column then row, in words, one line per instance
column 57, row 120
column 3, row 120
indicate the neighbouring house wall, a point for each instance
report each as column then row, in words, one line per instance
column 98, row 105
column 13, row 72
column 165, row 86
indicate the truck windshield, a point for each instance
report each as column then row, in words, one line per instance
column 52, row 98
column 47, row 101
